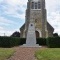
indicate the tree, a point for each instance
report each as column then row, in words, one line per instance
column 55, row 34
column 16, row 34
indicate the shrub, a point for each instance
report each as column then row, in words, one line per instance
column 53, row 42
column 41, row 41
column 11, row 41
column 15, row 41
column 22, row 41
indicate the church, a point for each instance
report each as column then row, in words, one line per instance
column 37, row 14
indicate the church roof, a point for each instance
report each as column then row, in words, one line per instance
column 22, row 27
column 49, row 26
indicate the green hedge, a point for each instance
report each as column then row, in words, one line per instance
column 11, row 41
column 41, row 41
column 15, row 41
column 53, row 42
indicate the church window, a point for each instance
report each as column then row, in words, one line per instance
column 32, row 6
column 35, row 5
column 39, row 5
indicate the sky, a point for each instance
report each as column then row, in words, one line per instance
column 12, row 15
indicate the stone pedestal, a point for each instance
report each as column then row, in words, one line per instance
column 31, row 36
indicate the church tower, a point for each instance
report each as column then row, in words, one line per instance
column 36, row 13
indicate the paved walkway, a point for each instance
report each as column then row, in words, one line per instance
column 24, row 53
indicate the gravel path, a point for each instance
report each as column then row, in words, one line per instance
column 24, row 53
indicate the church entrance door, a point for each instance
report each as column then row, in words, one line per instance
column 37, row 34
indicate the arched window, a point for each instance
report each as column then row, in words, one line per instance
column 39, row 6
column 32, row 5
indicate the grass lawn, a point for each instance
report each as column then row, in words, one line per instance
column 48, row 54
column 5, row 53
